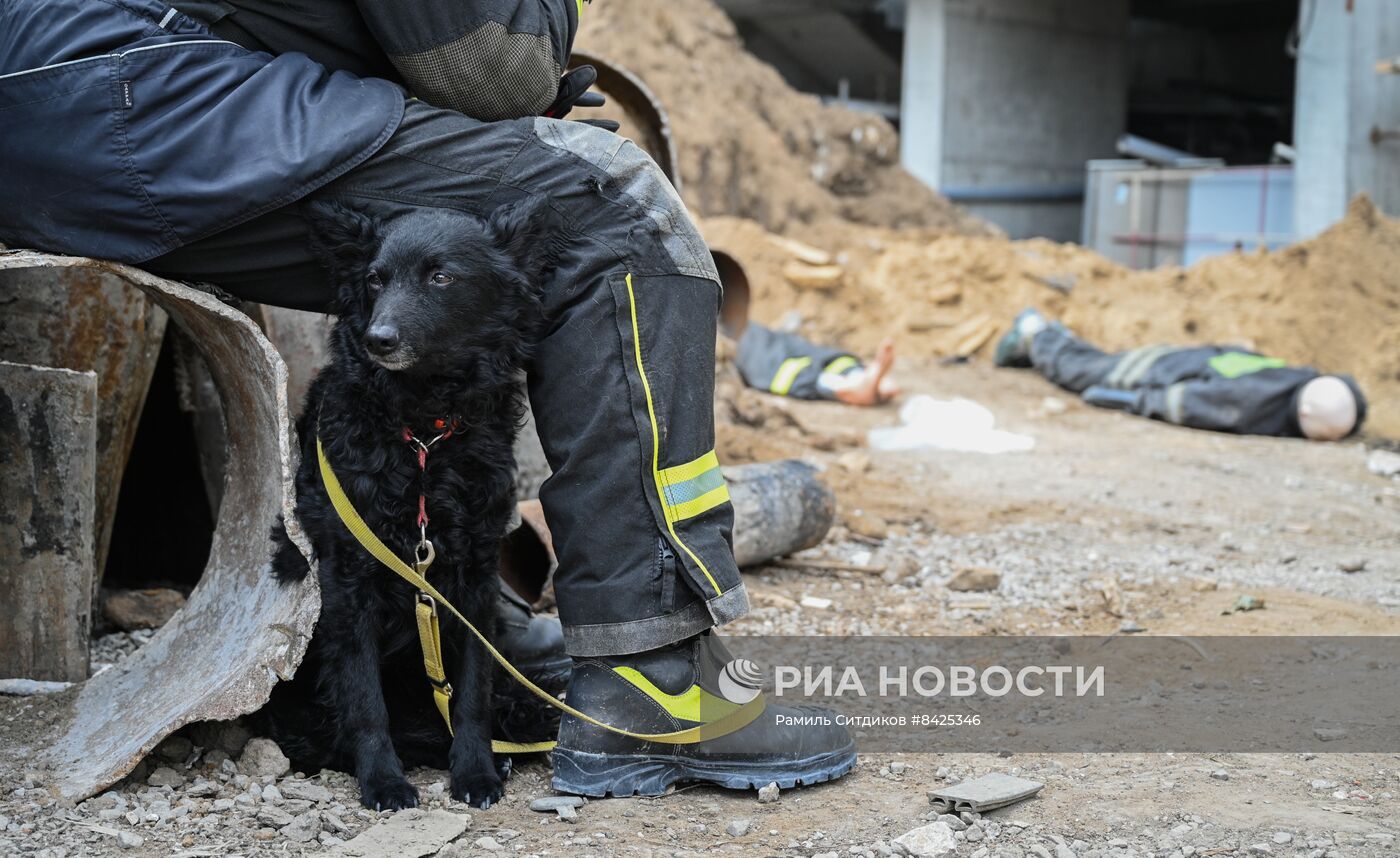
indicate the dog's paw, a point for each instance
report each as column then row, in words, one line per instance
column 388, row 794
column 480, row 789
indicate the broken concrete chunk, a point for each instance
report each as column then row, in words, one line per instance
column 975, row 579
column 984, row 793
column 551, row 803
column 768, row 794
column 930, row 841
column 262, row 758
column 306, row 791
column 411, row 833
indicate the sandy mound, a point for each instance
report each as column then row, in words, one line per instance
column 749, row 144
column 1332, row 302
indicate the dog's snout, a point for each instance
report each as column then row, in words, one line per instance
column 382, row 339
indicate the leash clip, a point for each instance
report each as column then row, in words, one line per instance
column 423, row 556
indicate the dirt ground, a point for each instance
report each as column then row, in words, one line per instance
column 1175, row 523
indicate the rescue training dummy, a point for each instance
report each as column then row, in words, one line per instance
column 1204, row 387
column 788, row 365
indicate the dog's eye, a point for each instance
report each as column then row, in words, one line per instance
column 372, row 280
column 441, row 278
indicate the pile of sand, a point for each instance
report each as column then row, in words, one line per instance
column 749, row 144
column 1332, row 302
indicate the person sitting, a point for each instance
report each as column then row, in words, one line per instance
column 1204, row 387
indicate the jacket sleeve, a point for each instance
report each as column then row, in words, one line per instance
column 489, row 59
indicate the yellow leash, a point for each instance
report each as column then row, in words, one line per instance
column 426, row 612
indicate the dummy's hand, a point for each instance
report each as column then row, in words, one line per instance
column 573, row 92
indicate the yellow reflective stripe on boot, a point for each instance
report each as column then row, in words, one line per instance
column 656, row 442
column 787, row 374
column 694, row 487
column 693, row 704
column 350, row 517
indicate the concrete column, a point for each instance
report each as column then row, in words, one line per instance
column 1343, row 111
column 922, row 91
column 1005, row 100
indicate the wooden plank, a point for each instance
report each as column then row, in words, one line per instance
column 48, row 467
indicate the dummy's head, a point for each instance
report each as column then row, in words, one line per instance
column 1327, row 409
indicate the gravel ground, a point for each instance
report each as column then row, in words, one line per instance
column 1109, row 521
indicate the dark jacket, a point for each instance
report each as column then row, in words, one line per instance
column 1226, row 389
column 129, row 130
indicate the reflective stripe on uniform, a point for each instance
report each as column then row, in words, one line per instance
column 787, row 374
column 656, row 472
column 841, row 365
column 694, row 487
column 1176, row 395
column 1131, row 368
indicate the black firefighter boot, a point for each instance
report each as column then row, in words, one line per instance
column 677, row 687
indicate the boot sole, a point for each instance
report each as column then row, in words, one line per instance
column 624, row 775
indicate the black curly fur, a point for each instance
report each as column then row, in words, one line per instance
column 360, row 700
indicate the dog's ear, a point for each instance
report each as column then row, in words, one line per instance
column 344, row 239
column 531, row 233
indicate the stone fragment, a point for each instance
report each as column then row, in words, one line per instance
column 1352, row 564
column 930, row 841
column 737, row 827
column 411, row 833
column 274, row 816
column 769, row 793
column 165, row 776
column 567, row 813
column 551, row 803
column 304, row 828
column 262, row 758
column 306, row 791
column 128, row 840
column 1220, row 775
column 975, row 579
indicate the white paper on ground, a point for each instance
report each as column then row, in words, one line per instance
column 948, row 424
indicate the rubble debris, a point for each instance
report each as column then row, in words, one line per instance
column 929, row 841
column 1352, row 564
column 141, row 609
column 1245, row 602
column 412, row 833
column 985, row 793
column 816, row 602
column 974, row 579
column 769, row 793
column 26, row 687
column 551, row 803
column 262, row 758
column 1131, row 627
column 1383, row 463
column 566, row 813
column 738, row 827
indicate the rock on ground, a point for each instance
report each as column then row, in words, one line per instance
column 411, row 833
column 931, row 841
column 262, row 758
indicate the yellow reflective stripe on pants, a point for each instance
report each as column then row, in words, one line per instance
column 694, row 487
column 656, row 443
column 787, row 374
column 841, row 364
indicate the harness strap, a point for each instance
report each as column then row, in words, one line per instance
column 735, row 720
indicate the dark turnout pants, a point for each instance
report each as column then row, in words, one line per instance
column 1204, row 387
column 622, row 386
column 788, row 365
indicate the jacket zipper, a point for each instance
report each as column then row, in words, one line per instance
column 666, row 568
column 119, row 55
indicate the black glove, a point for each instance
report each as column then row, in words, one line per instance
column 573, row 92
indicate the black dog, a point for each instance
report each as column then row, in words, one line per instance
column 437, row 313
